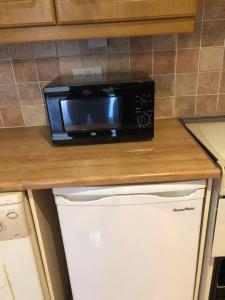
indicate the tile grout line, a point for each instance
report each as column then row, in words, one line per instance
column 175, row 78
column 39, row 84
column 15, row 82
column 152, row 57
column 129, row 55
column 220, row 78
column 199, row 57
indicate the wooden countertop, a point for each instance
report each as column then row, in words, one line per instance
column 29, row 161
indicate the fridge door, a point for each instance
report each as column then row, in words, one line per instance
column 138, row 247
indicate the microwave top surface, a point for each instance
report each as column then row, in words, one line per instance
column 64, row 83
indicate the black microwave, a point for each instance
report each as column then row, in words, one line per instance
column 94, row 109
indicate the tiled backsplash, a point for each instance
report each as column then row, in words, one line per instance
column 189, row 69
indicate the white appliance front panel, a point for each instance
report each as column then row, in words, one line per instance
column 13, row 222
column 5, row 288
column 131, row 252
column 18, row 258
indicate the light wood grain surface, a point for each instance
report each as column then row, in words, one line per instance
column 14, row 13
column 29, row 161
column 98, row 30
column 86, row 11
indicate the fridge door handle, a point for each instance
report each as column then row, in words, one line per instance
column 160, row 197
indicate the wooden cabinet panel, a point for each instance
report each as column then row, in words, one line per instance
column 14, row 13
column 84, row 11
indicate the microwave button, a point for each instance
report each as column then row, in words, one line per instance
column 144, row 100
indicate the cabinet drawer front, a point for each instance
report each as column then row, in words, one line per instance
column 72, row 11
column 15, row 13
column 219, row 234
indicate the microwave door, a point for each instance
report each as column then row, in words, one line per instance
column 87, row 114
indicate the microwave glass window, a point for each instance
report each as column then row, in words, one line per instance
column 91, row 113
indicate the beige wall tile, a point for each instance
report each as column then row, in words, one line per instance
column 206, row 105
column 190, row 40
column 186, row 84
column 164, row 85
column 34, row 115
column 164, row 107
column 141, row 43
column 44, row 49
column 22, row 50
column 8, row 95
column 164, row 42
column 67, row 64
column 68, row 48
column 213, row 33
column 222, row 83
column 96, row 60
column 221, row 104
column 214, row 10
column 116, row 45
column 184, row 106
column 29, row 93
column 118, row 63
column 48, row 68
column 6, row 72
column 211, row 59
column 164, row 62
column 25, row 70
column 85, row 49
column 187, row 60
column 12, row 116
column 3, row 51
column 208, row 82
column 223, row 67
column 141, row 62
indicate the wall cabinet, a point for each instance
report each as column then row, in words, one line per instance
column 26, row 13
column 44, row 20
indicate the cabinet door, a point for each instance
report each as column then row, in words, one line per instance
column 84, row 11
column 21, row 13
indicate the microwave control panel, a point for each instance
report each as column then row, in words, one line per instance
column 144, row 110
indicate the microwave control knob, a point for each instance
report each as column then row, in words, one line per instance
column 144, row 120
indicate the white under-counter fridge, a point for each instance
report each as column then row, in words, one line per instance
column 132, row 242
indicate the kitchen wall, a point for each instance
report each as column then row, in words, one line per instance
column 189, row 69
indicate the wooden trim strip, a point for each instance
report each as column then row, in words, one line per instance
column 100, row 30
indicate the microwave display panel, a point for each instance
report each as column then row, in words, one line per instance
column 91, row 113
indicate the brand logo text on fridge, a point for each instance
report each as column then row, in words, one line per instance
column 183, row 209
